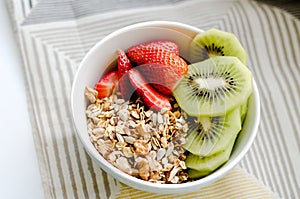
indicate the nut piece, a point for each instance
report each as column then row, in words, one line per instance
column 141, row 147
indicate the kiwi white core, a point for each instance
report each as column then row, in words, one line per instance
column 210, row 83
column 205, row 122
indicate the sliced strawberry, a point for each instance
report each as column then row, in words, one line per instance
column 158, row 56
column 156, row 45
column 163, row 78
column 124, row 65
column 151, row 98
column 107, row 84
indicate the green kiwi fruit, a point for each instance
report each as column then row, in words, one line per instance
column 215, row 42
column 197, row 174
column 211, row 135
column 244, row 110
column 202, row 166
column 214, row 86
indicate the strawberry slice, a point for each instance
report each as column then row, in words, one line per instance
column 107, row 84
column 158, row 56
column 163, row 78
column 124, row 65
column 151, row 98
column 156, row 45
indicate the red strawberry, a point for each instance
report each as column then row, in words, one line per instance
column 151, row 98
column 158, row 56
column 124, row 65
column 163, row 78
column 107, row 84
column 155, row 45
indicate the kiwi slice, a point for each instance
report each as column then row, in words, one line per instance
column 215, row 42
column 211, row 135
column 214, row 86
column 202, row 166
column 244, row 110
column 197, row 174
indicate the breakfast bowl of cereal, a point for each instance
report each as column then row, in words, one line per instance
column 166, row 107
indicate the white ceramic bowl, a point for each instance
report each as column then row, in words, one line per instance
column 101, row 58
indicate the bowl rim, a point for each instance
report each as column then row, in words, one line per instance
column 145, row 185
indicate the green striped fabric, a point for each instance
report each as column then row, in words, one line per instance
column 54, row 36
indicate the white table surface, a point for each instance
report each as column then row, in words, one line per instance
column 19, row 172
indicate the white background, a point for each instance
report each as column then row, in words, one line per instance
column 19, row 172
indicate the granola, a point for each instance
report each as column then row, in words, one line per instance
column 140, row 142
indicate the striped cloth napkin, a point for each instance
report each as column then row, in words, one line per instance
column 54, row 35
column 237, row 184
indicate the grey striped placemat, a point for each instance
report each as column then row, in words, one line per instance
column 55, row 35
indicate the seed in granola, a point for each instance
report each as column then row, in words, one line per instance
column 152, row 154
column 91, row 94
column 154, row 118
column 113, row 156
column 132, row 124
column 123, row 115
column 153, row 164
column 113, row 121
column 103, row 148
column 120, row 138
column 95, row 114
column 160, row 153
column 170, row 149
column 164, row 143
column 182, row 164
column 161, row 127
column 127, row 152
column 122, row 164
column 141, row 147
column 109, row 144
column 129, row 139
column 164, row 161
column 172, row 158
column 175, row 180
column 155, row 141
column 160, row 118
column 119, row 130
column 99, row 131
column 135, row 115
column 127, row 131
column 120, row 145
column 148, row 113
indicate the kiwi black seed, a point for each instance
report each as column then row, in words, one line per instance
column 215, row 42
column 214, row 86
